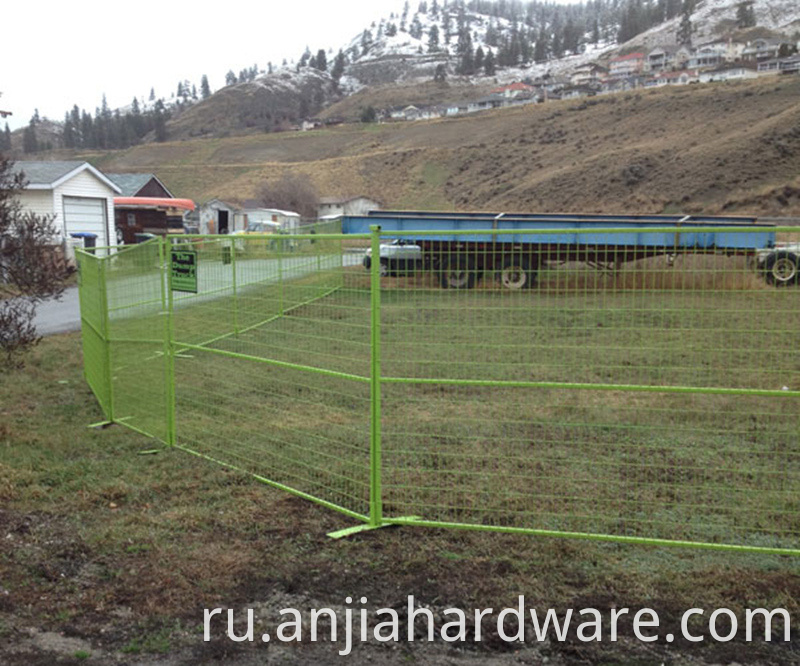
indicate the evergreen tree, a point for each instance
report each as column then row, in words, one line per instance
column 391, row 30
column 542, row 48
column 366, row 41
column 160, row 121
column 404, row 17
column 440, row 75
column 6, row 138
column 136, row 122
column 304, row 58
column 68, row 132
column 415, row 30
column 322, row 61
column 152, row 94
column 369, row 115
column 684, row 34
column 205, row 89
column 338, row 67
column 489, row 66
column 230, row 78
column 433, row 39
column 87, row 131
column 479, row 58
column 572, row 35
column 466, row 56
column 745, row 14
column 30, row 143
column 491, row 34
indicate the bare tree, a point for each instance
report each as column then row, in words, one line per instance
column 290, row 192
column 31, row 267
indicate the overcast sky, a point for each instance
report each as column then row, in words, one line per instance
column 58, row 53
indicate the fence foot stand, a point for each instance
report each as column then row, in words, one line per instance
column 100, row 425
column 367, row 527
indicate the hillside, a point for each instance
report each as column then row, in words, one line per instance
column 474, row 45
column 711, row 148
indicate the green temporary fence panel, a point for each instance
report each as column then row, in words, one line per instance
column 647, row 397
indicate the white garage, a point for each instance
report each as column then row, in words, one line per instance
column 79, row 197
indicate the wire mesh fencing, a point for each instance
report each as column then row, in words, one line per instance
column 605, row 383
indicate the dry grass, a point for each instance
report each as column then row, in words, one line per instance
column 644, row 151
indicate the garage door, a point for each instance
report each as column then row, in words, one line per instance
column 86, row 215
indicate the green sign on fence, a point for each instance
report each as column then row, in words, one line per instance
column 184, row 270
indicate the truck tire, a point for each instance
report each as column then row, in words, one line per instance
column 517, row 274
column 457, row 272
column 383, row 267
column 781, row 268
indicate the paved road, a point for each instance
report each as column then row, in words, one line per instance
column 65, row 315
column 59, row 316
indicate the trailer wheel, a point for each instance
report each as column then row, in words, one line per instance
column 782, row 268
column 457, row 272
column 517, row 274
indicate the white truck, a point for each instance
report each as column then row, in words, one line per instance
column 780, row 265
column 398, row 257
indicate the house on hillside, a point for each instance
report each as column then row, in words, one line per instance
column 762, row 49
column 623, row 67
column 456, row 109
column 78, row 197
column 588, row 74
column 714, row 54
column 729, row 73
column 358, row 205
column 217, row 217
column 621, row 85
column 666, row 57
column 485, row 103
column 679, row 78
column 790, row 65
column 512, row 90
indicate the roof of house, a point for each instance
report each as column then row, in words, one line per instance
column 332, row 201
column 48, row 175
column 517, row 85
column 630, row 56
column 131, row 183
column 671, row 49
column 257, row 204
column 225, row 204
column 677, row 75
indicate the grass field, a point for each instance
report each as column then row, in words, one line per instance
column 603, row 403
column 116, row 543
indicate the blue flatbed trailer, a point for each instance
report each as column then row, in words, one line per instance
column 463, row 246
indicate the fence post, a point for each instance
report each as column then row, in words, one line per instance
column 235, row 296
column 106, row 328
column 169, row 342
column 375, row 496
column 279, row 247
